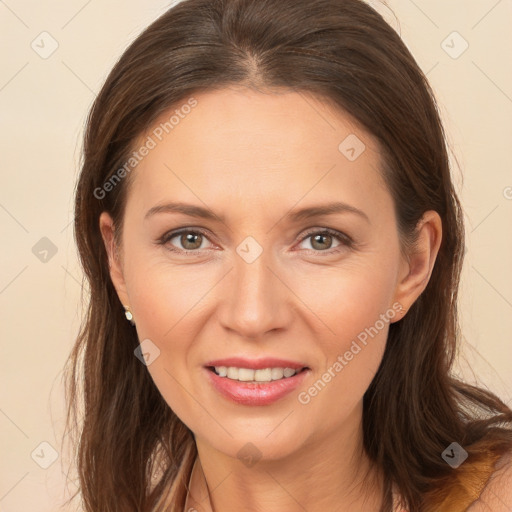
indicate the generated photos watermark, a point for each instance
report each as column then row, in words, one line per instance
column 343, row 360
column 150, row 143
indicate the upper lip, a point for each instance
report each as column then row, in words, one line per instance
column 257, row 364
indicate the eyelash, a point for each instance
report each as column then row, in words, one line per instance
column 345, row 240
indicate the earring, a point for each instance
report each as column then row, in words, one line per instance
column 128, row 314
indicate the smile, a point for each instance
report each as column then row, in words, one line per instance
column 255, row 387
column 251, row 375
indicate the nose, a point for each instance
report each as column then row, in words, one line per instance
column 257, row 299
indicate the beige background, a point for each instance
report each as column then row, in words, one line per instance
column 43, row 105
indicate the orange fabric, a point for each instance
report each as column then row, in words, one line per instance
column 465, row 487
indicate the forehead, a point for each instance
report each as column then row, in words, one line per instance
column 244, row 145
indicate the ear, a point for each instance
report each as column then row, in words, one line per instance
column 107, row 230
column 416, row 268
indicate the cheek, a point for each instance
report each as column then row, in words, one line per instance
column 164, row 313
column 348, row 299
column 167, row 302
column 336, row 392
column 164, row 296
column 355, row 303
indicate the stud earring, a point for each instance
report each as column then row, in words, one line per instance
column 128, row 314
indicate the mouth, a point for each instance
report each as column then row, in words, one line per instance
column 262, row 375
column 255, row 383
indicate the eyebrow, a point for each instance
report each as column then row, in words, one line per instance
column 294, row 216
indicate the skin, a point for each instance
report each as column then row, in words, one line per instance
column 254, row 158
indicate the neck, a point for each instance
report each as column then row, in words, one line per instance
column 327, row 474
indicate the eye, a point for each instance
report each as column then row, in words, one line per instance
column 188, row 239
column 322, row 240
column 191, row 241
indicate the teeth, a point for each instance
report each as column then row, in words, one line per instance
column 221, row 370
column 277, row 373
column 248, row 375
column 232, row 373
column 245, row 375
column 263, row 375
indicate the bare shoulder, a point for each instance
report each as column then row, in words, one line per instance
column 497, row 494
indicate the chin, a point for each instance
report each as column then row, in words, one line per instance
column 259, row 443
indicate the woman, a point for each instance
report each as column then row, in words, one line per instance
column 266, row 219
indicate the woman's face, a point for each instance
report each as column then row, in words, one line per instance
column 258, row 281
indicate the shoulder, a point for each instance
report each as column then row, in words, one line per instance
column 497, row 493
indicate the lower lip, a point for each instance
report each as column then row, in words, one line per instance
column 250, row 393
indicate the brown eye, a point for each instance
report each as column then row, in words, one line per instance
column 321, row 241
column 187, row 241
column 191, row 240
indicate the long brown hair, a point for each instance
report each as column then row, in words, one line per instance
column 131, row 447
